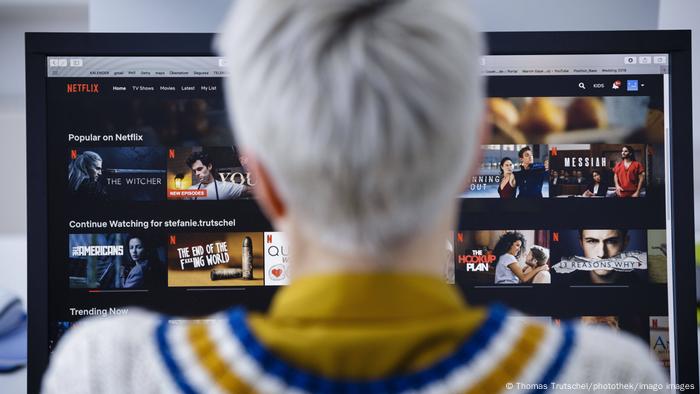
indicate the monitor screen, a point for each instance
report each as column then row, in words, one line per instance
column 565, row 216
column 149, row 199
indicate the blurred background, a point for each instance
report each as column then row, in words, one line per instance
column 20, row 16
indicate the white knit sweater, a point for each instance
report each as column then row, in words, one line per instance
column 124, row 355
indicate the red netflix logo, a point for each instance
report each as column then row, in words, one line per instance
column 83, row 88
column 73, row 154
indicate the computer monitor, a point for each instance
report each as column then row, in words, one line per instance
column 588, row 167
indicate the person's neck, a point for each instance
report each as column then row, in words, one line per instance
column 628, row 160
column 208, row 180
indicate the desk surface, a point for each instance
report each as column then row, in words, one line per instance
column 14, row 279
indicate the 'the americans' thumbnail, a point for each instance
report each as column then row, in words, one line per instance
column 116, row 261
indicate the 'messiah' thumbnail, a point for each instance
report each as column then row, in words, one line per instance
column 606, row 170
column 115, row 261
column 116, row 174
column 212, row 173
column 215, row 259
column 502, row 257
column 599, row 256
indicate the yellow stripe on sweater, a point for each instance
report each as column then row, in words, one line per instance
column 512, row 365
column 219, row 370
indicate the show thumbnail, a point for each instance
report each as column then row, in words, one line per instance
column 212, row 173
column 116, row 174
column 635, row 325
column 115, row 261
column 659, row 340
column 276, row 259
column 502, row 257
column 599, row 256
column 216, row 259
column 511, row 171
column 567, row 120
column 448, row 271
column 658, row 269
column 653, row 331
column 605, row 170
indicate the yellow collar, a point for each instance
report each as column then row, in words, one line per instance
column 364, row 326
column 382, row 296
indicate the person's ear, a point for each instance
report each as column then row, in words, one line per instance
column 265, row 191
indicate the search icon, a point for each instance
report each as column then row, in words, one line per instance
column 582, row 85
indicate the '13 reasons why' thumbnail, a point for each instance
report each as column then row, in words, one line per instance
column 599, row 256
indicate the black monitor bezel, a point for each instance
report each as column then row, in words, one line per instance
column 37, row 47
column 676, row 43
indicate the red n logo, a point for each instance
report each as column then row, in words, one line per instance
column 173, row 240
column 171, row 153
column 73, row 154
column 555, row 236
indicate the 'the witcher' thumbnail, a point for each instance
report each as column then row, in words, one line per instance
column 116, row 174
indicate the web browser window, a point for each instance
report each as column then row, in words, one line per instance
column 150, row 198
column 574, row 175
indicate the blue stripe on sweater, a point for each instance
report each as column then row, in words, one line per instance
column 168, row 359
column 296, row 378
column 558, row 364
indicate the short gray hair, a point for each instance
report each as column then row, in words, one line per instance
column 365, row 112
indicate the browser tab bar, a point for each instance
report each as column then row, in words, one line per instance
column 498, row 65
